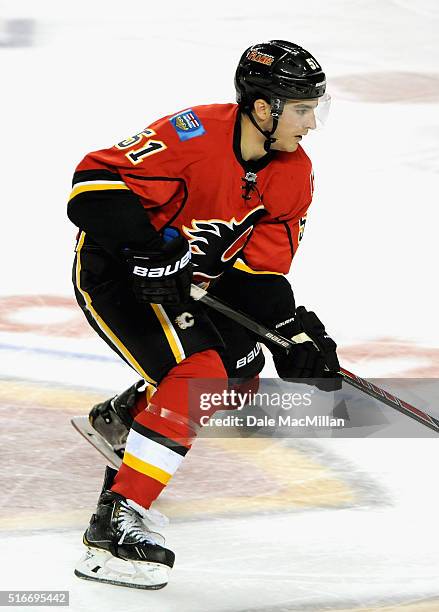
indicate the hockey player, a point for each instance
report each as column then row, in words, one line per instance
column 215, row 194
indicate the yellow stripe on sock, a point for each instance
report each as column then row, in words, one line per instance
column 146, row 468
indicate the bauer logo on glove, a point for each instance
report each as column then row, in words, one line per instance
column 314, row 357
column 162, row 276
column 158, row 272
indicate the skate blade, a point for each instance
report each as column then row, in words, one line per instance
column 100, row 566
column 83, row 426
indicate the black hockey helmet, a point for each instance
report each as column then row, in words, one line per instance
column 278, row 69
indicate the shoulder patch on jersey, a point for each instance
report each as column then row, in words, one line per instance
column 187, row 125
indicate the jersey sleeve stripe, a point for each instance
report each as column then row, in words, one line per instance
column 98, row 174
column 96, row 186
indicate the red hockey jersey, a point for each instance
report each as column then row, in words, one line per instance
column 188, row 172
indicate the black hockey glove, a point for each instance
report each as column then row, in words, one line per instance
column 305, row 360
column 161, row 277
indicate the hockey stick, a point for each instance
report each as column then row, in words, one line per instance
column 272, row 337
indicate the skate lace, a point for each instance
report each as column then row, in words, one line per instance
column 131, row 521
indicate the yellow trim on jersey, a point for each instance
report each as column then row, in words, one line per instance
column 240, row 265
column 101, row 323
column 170, row 333
column 96, row 186
column 150, row 390
column 146, row 468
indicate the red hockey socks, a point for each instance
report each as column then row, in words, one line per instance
column 162, row 433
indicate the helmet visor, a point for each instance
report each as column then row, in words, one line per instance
column 322, row 110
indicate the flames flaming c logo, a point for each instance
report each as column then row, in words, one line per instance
column 215, row 243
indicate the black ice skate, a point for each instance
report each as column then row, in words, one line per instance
column 108, row 423
column 121, row 549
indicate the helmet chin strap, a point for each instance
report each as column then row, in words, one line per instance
column 277, row 107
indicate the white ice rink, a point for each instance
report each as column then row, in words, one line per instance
column 297, row 525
